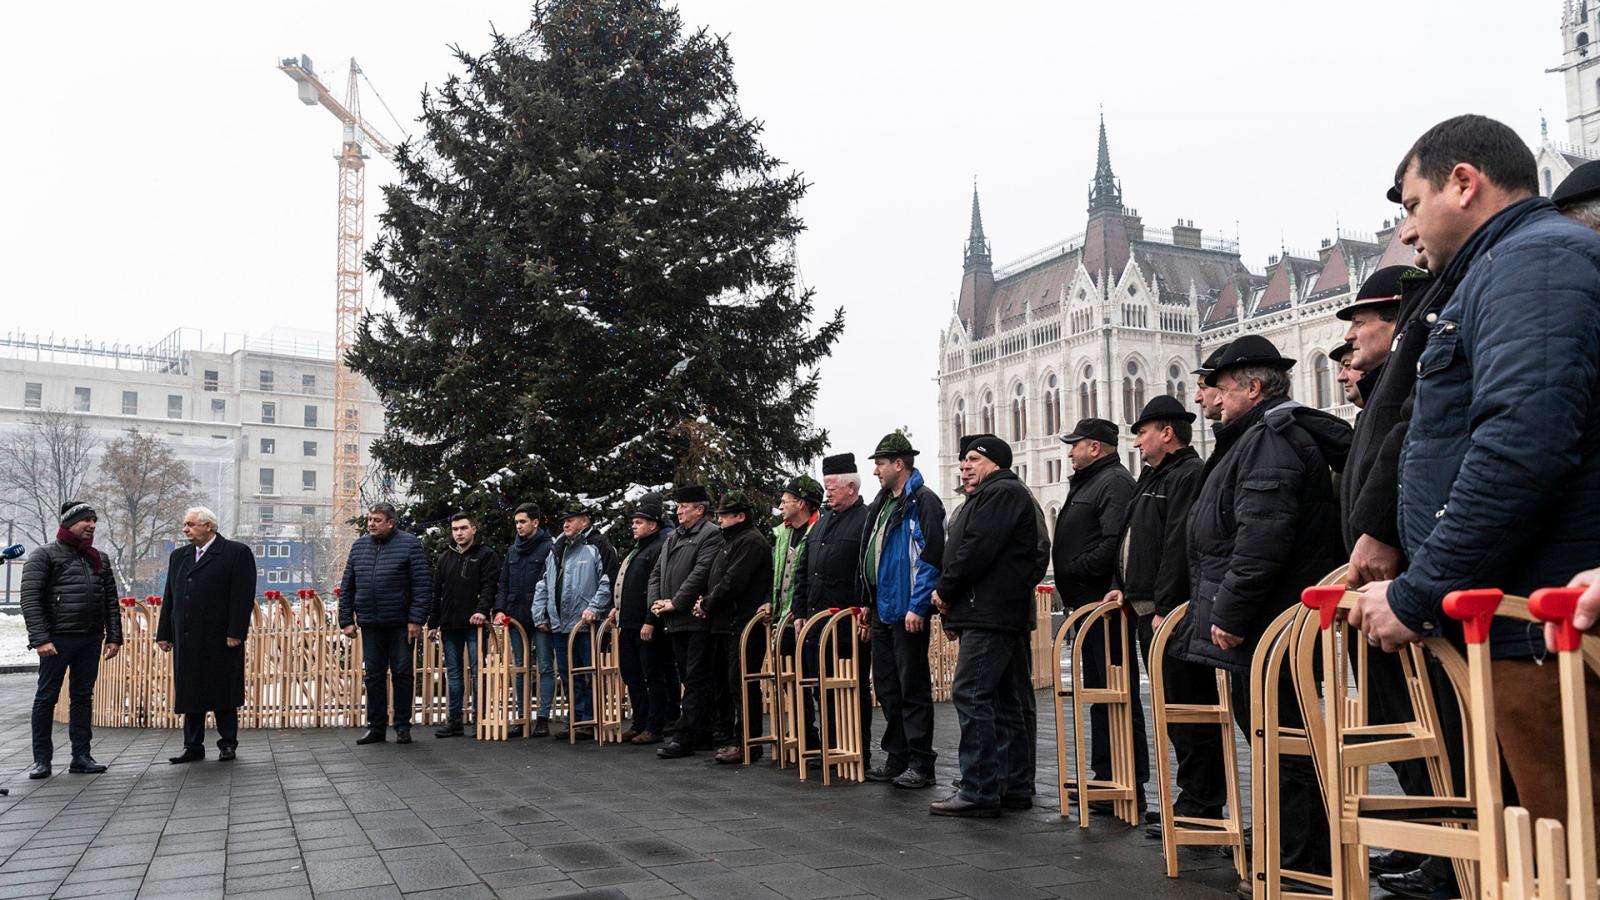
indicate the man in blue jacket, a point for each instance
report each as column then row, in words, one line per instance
column 521, row 572
column 574, row 589
column 901, row 551
column 387, row 589
column 1500, row 470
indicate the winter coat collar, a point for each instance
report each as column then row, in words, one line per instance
column 1171, row 460
column 1087, row 474
column 991, row 481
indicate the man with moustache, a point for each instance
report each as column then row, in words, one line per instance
column 677, row 583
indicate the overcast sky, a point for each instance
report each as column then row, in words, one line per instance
column 161, row 173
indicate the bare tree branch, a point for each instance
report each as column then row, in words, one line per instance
column 43, row 464
column 145, row 489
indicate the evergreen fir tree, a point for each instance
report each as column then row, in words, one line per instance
column 587, row 252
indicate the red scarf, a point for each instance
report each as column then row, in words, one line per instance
column 86, row 547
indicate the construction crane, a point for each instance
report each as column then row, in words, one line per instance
column 347, row 294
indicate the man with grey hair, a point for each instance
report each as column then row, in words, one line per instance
column 205, row 618
column 1264, row 526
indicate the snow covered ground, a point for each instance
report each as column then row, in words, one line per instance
column 14, row 641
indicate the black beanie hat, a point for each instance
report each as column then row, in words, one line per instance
column 995, row 449
column 75, row 511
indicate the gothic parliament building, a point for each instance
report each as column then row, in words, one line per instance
column 1097, row 324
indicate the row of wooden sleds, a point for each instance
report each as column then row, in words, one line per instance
column 1310, row 650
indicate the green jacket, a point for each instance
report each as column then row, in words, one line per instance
column 785, row 566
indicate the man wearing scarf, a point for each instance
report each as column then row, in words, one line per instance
column 69, row 602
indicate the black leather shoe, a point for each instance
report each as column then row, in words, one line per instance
column 541, row 728
column 226, row 755
column 1016, row 801
column 1417, row 883
column 674, row 750
column 1393, row 862
column 885, row 772
column 85, row 765
column 187, row 756
column 402, row 735
column 911, row 779
column 960, row 807
column 39, row 770
column 373, row 736
column 450, row 729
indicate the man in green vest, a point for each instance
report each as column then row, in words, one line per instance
column 798, row 504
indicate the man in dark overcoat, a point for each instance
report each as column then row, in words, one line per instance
column 205, row 618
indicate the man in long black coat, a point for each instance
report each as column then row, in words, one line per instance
column 205, row 618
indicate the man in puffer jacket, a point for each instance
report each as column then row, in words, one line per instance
column 574, row 589
column 1264, row 527
column 69, row 603
column 464, row 582
column 901, row 551
column 387, row 590
column 739, row 583
column 520, row 574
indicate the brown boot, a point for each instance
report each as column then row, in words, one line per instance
column 647, row 737
column 732, row 753
column 630, row 734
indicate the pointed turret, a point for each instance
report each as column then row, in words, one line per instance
column 1106, row 192
column 977, row 257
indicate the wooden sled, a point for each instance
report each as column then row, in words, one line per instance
column 1116, row 696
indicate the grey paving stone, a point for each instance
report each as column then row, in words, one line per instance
column 425, row 868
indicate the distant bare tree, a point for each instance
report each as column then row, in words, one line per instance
column 43, row 464
column 144, row 489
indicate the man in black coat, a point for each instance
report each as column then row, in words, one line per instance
column 387, row 589
column 205, row 618
column 464, row 582
column 520, row 574
column 828, row 576
column 996, row 551
column 1264, row 527
column 69, row 604
column 1152, row 578
column 677, row 583
column 739, row 583
column 1085, row 555
column 646, row 657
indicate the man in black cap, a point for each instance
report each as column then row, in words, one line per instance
column 1349, row 379
column 1264, row 526
column 69, row 603
column 739, row 584
column 798, row 506
column 1206, row 396
column 828, row 576
column 678, row 582
column 995, row 554
column 902, row 548
column 1085, row 556
column 646, row 662
column 1152, row 578
column 1578, row 195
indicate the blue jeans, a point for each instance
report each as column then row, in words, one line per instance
column 552, row 647
column 386, row 652
column 991, row 691
column 453, row 642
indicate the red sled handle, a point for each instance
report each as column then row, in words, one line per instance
column 1557, row 605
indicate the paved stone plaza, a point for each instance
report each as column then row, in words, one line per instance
column 304, row 813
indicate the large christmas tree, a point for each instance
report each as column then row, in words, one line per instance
column 589, row 256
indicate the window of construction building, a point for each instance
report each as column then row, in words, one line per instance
column 311, row 417
column 308, row 384
column 269, row 413
column 33, row 395
column 308, row 511
column 308, row 448
column 80, row 399
column 266, row 379
column 308, row 480
column 268, row 480
column 269, row 445
column 219, row 410
column 130, row 403
column 211, row 379
column 174, row 406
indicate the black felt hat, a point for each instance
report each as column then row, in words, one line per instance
column 650, row 506
column 1161, row 408
column 806, row 488
column 1582, row 183
column 839, row 464
column 1249, row 350
column 1091, row 430
column 988, row 445
column 1338, row 353
column 693, row 493
column 1210, row 365
column 1382, row 288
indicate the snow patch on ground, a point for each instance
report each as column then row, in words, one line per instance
column 14, row 641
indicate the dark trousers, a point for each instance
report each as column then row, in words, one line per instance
column 652, row 679
column 79, row 654
column 1094, row 676
column 755, row 655
column 194, row 730
column 904, row 686
column 991, row 694
column 386, row 656
column 809, row 665
column 697, row 671
column 1302, row 822
column 1202, row 777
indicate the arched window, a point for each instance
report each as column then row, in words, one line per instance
column 986, row 413
column 1052, row 405
column 1019, row 413
column 1132, row 392
column 1175, row 383
column 960, row 420
column 1088, row 396
column 1319, row 369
